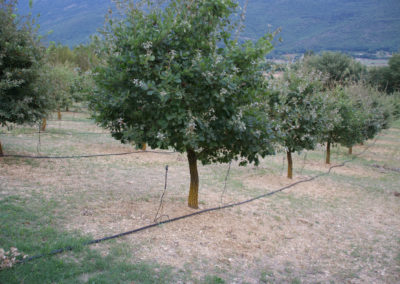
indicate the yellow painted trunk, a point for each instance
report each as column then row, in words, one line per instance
column 350, row 150
column 59, row 114
column 44, row 124
column 290, row 165
column 193, row 200
column 144, row 146
column 328, row 153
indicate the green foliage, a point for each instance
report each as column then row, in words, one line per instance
column 377, row 113
column 68, row 74
column 169, row 82
column 339, row 67
column 60, row 83
column 394, row 101
column 21, row 99
column 82, row 56
column 394, row 66
column 297, row 106
column 379, row 77
column 386, row 78
column 359, row 113
column 346, row 124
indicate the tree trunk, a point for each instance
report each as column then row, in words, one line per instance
column 59, row 114
column 328, row 153
column 350, row 150
column 67, row 108
column 44, row 124
column 193, row 200
column 290, row 165
column 144, row 146
column 1, row 150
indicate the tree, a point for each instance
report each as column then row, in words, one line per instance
column 339, row 67
column 174, row 78
column 380, row 78
column 70, row 74
column 376, row 114
column 61, row 80
column 297, row 106
column 21, row 99
column 346, row 122
column 394, row 67
column 386, row 78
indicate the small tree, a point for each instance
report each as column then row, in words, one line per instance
column 346, row 123
column 377, row 114
column 394, row 67
column 174, row 78
column 21, row 99
column 297, row 105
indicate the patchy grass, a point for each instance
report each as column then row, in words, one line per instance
column 339, row 228
column 31, row 226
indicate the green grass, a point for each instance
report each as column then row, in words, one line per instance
column 31, row 226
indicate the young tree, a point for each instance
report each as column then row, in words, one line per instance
column 346, row 123
column 174, row 78
column 377, row 114
column 21, row 99
column 297, row 106
column 394, row 67
column 386, row 78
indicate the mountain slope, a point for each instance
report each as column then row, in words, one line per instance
column 347, row 25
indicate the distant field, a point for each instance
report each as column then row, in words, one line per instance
column 341, row 228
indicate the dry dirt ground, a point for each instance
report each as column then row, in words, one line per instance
column 341, row 228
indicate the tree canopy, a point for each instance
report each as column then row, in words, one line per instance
column 339, row 67
column 20, row 62
column 21, row 96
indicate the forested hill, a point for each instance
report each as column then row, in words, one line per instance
column 346, row 25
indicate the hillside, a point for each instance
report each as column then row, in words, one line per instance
column 347, row 25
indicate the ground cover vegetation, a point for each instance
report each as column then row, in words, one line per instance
column 173, row 78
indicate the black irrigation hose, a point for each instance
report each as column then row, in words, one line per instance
column 96, row 241
column 84, row 156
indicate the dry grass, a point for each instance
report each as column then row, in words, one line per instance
column 341, row 228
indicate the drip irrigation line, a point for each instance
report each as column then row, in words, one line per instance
column 96, row 241
column 84, row 156
column 386, row 168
